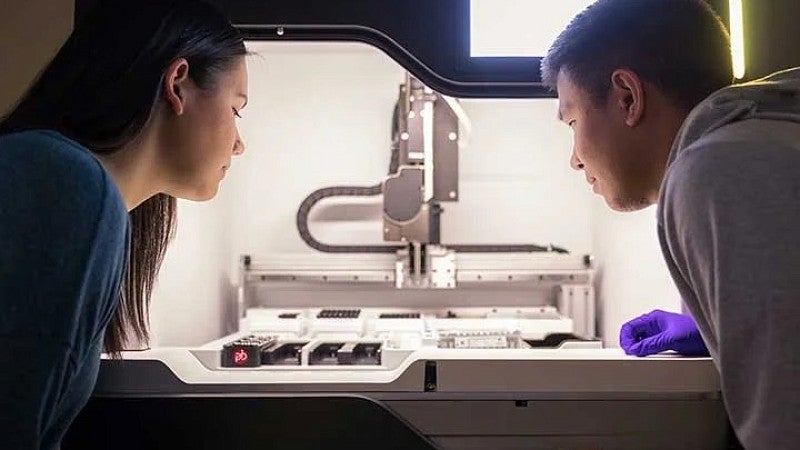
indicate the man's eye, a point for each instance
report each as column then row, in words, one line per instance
column 570, row 123
column 236, row 113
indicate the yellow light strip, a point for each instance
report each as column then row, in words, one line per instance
column 737, row 37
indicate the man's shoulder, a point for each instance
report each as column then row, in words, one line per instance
column 739, row 150
column 732, row 167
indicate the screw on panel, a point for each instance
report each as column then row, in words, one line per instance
column 587, row 260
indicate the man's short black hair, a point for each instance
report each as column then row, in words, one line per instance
column 681, row 46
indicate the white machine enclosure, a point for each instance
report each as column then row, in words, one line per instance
column 465, row 377
column 484, row 346
column 475, row 398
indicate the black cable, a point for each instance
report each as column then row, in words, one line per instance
column 338, row 191
column 357, row 191
column 394, row 162
column 505, row 248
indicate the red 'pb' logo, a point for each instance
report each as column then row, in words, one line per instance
column 240, row 356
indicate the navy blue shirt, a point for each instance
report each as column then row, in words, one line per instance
column 64, row 234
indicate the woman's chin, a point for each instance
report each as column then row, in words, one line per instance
column 198, row 193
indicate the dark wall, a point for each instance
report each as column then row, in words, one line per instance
column 771, row 34
column 30, row 34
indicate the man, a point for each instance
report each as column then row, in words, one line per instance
column 644, row 85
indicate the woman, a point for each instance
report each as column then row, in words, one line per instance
column 136, row 109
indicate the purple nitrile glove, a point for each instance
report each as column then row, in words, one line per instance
column 658, row 331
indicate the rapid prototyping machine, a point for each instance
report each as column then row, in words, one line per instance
column 434, row 360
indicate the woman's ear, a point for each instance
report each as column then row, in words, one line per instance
column 628, row 94
column 176, row 85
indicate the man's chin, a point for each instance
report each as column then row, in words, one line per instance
column 620, row 204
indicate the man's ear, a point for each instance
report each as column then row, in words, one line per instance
column 627, row 93
column 176, row 85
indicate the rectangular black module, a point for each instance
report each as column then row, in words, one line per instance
column 339, row 314
column 325, row 354
column 402, row 315
column 287, row 354
column 288, row 315
column 554, row 340
column 360, row 354
column 245, row 352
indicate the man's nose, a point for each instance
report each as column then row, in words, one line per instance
column 574, row 162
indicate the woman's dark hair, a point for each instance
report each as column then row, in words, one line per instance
column 681, row 46
column 101, row 89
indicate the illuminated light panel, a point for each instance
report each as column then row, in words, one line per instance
column 518, row 28
column 737, row 37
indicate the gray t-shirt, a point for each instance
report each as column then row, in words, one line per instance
column 729, row 227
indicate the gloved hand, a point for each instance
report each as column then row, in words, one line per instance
column 658, row 331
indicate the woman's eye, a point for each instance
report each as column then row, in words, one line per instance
column 236, row 113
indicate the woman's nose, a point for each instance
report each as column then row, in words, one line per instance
column 238, row 147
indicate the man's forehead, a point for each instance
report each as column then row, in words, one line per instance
column 567, row 93
column 565, row 103
column 564, row 85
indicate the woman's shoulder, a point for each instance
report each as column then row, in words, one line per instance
column 48, row 164
column 38, row 146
